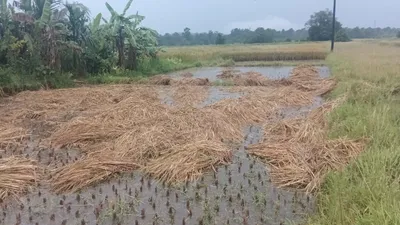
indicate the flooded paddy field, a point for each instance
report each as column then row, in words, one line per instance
column 237, row 189
column 269, row 72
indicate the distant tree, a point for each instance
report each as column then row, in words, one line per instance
column 220, row 40
column 187, row 35
column 398, row 34
column 261, row 36
column 320, row 26
column 341, row 36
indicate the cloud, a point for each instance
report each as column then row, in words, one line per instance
column 272, row 22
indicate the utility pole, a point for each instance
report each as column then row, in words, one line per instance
column 333, row 26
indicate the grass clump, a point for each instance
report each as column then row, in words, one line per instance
column 367, row 191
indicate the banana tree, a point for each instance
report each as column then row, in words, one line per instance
column 4, row 17
column 53, row 35
column 127, row 31
column 35, row 7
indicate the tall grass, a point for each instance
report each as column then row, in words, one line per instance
column 367, row 191
column 259, row 52
column 12, row 82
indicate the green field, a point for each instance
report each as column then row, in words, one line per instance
column 367, row 191
column 240, row 53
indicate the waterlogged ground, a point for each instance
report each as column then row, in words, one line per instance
column 270, row 72
column 239, row 193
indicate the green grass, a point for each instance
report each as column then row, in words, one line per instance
column 12, row 82
column 368, row 190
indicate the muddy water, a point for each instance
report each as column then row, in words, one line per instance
column 270, row 72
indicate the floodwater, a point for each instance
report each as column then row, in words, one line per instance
column 270, row 72
column 240, row 193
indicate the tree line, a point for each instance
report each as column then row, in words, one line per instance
column 317, row 28
column 43, row 40
column 44, row 37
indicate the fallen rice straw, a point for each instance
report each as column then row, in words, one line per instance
column 88, row 171
column 191, row 82
column 188, row 162
column 17, row 175
column 299, row 153
column 124, row 128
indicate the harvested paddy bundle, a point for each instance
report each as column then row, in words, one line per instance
column 111, row 122
column 250, row 79
column 11, row 136
column 191, row 81
column 17, row 176
column 204, row 122
column 136, row 146
column 186, row 74
column 228, row 73
column 299, row 153
column 307, row 78
column 93, row 168
column 188, row 162
column 160, row 80
column 304, row 165
column 189, row 95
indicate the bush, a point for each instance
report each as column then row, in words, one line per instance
column 341, row 36
column 398, row 34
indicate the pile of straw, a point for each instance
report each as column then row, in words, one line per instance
column 250, row 79
column 94, row 168
column 110, row 122
column 306, row 78
column 243, row 79
column 299, row 152
column 187, row 74
column 12, row 136
column 228, row 73
column 160, row 80
column 189, row 95
column 188, row 162
column 192, row 82
column 17, row 176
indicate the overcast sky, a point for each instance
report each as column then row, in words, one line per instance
column 224, row 15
